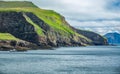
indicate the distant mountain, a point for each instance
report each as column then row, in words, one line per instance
column 113, row 38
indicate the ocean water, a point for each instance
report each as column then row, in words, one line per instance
column 64, row 60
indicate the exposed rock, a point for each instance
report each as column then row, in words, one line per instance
column 20, row 45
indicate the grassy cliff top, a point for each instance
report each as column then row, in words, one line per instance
column 11, row 4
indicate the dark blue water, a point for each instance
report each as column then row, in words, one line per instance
column 73, row 60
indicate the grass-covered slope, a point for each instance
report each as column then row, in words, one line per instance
column 50, row 17
column 7, row 36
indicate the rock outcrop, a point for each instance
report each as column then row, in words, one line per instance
column 6, row 45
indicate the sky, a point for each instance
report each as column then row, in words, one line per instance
column 101, row 16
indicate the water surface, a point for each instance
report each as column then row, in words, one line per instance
column 65, row 60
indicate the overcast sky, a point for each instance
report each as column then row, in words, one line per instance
column 101, row 16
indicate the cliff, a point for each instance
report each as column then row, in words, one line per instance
column 31, row 26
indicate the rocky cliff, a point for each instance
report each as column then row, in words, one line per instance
column 40, row 28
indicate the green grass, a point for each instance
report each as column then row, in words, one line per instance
column 50, row 17
column 7, row 36
column 11, row 4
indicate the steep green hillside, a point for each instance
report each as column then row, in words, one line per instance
column 52, row 18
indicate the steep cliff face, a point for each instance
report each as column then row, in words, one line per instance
column 16, row 23
column 54, row 37
column 42, row 28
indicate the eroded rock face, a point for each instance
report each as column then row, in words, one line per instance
column 15, row 24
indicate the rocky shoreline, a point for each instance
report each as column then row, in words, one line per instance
column 7, row 45
column 12, row 45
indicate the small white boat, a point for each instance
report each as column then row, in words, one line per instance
column 13, row 50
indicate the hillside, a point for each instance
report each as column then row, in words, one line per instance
column 96, row 38
column 113, row 38
column 43, row 28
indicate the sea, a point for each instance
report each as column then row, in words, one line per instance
column 63, row 60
